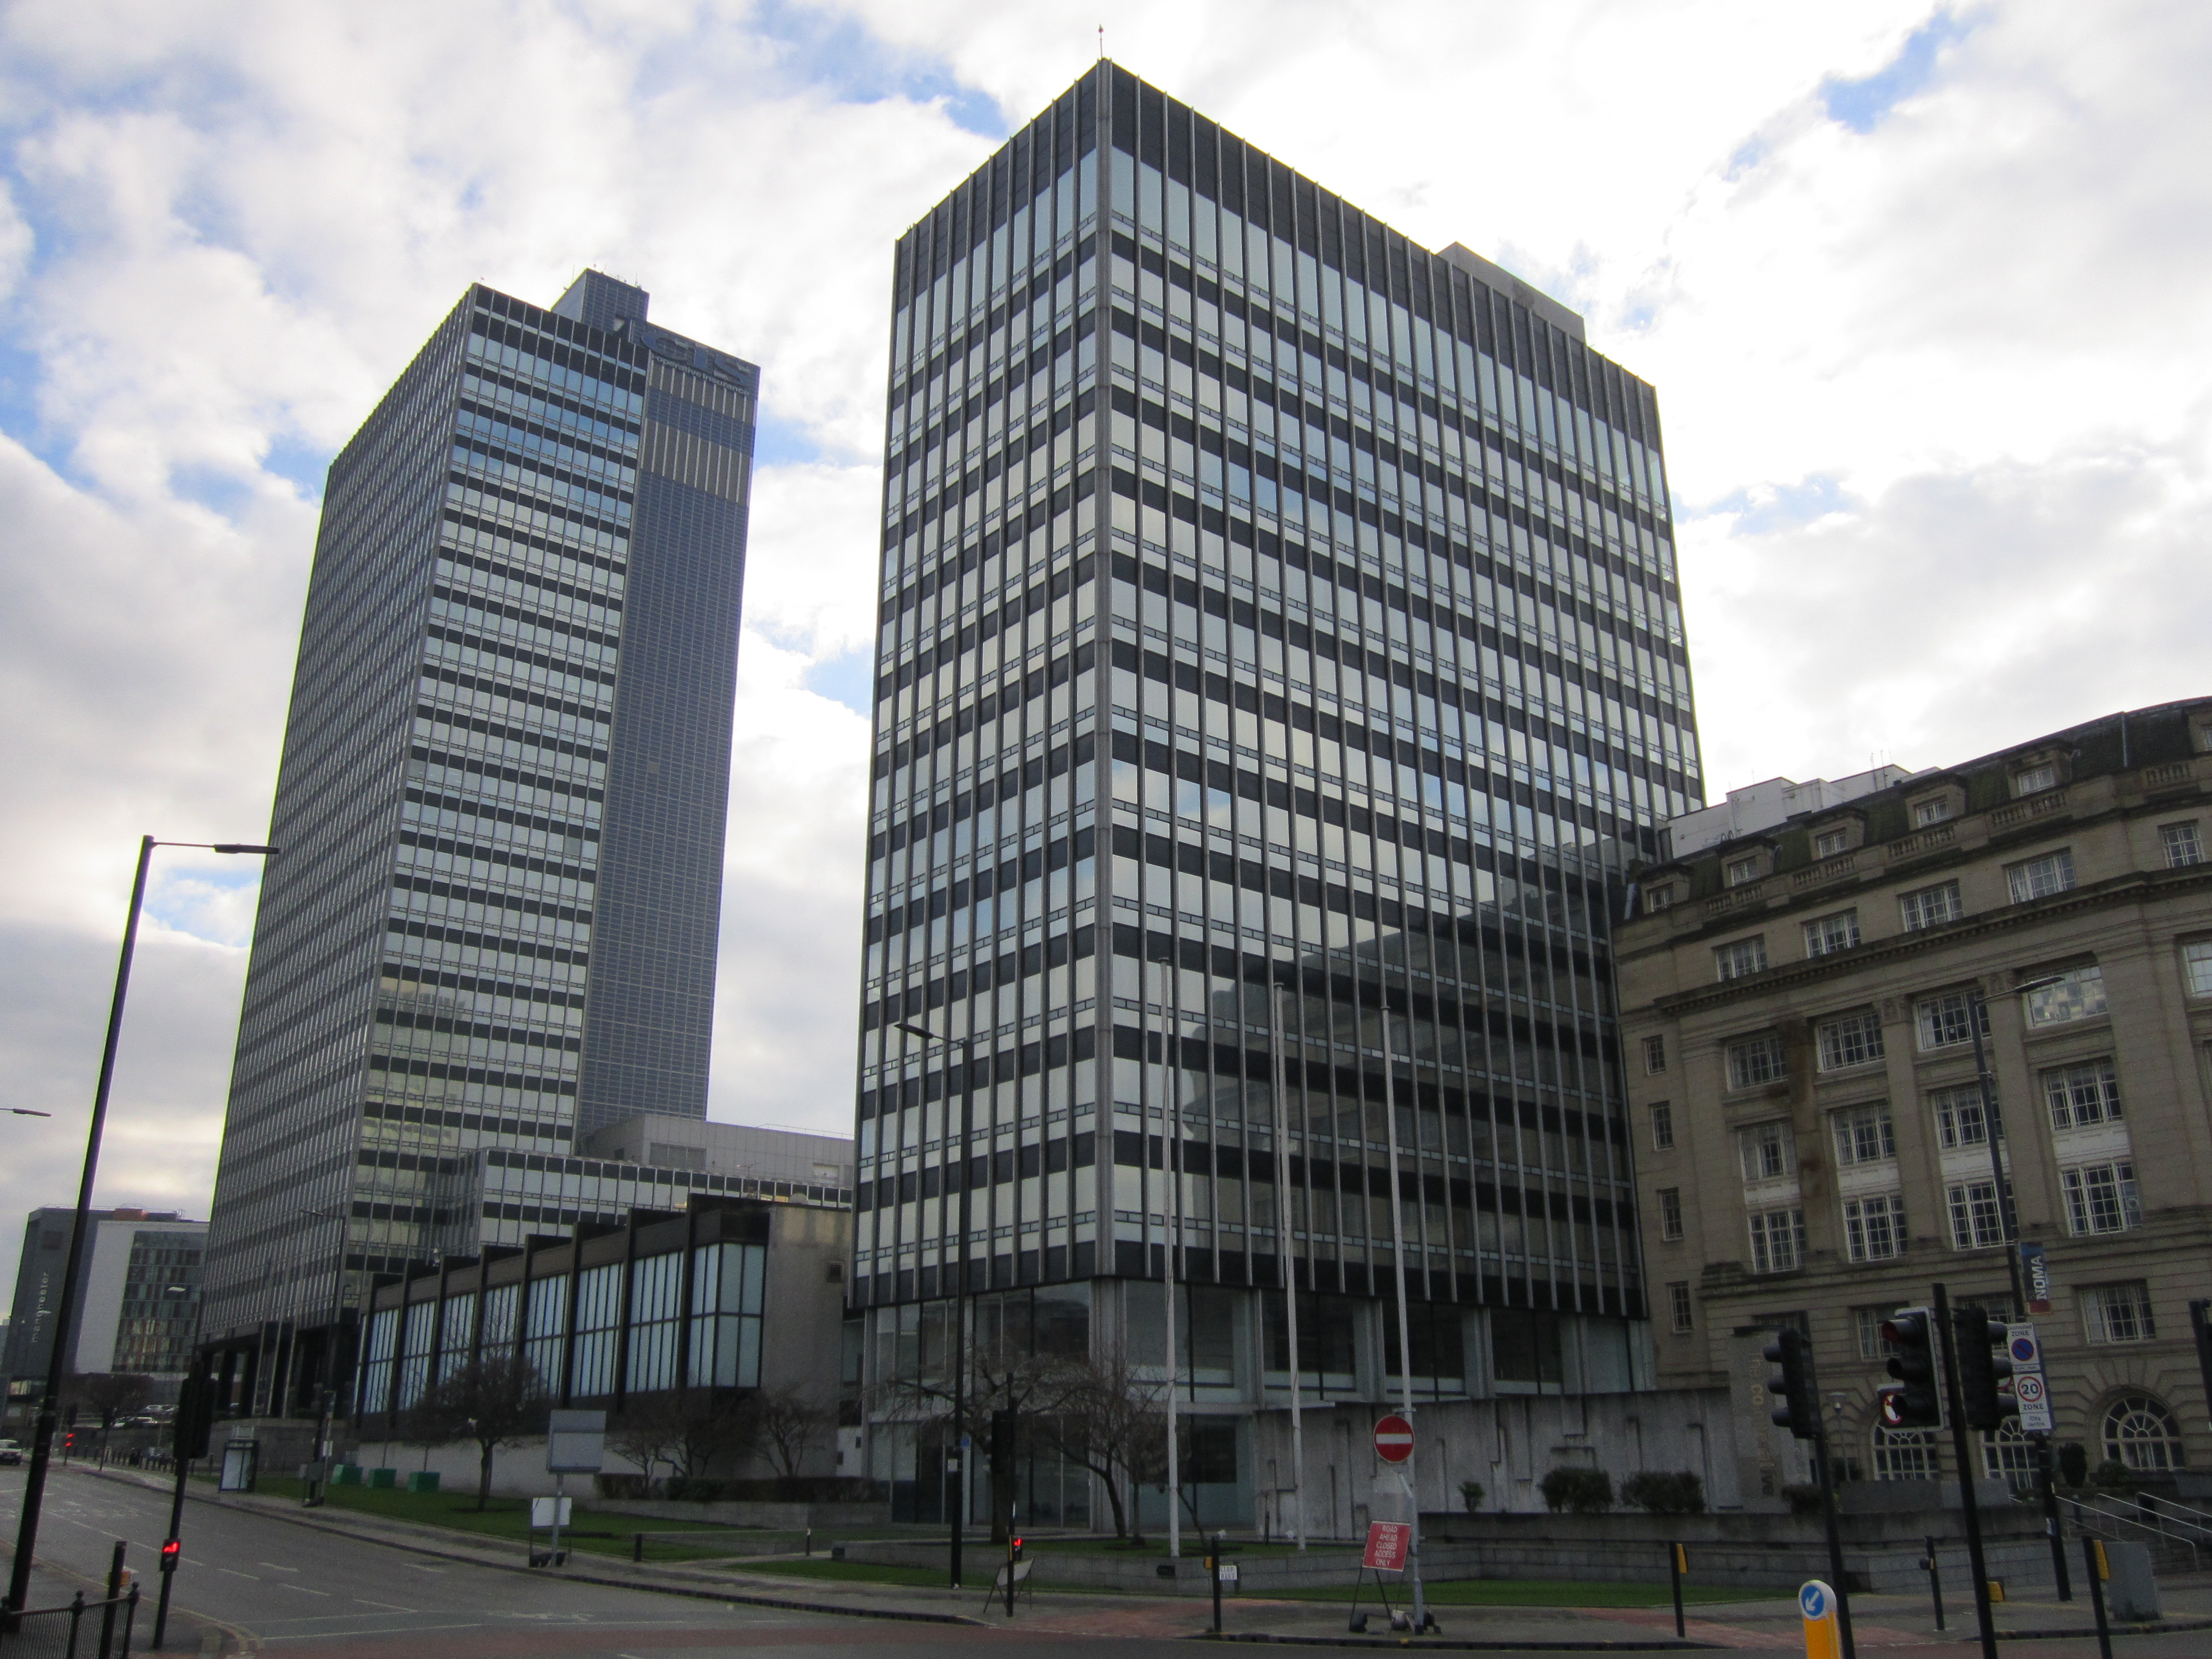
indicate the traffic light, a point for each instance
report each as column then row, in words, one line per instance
column 1973, row 1335
column 1915, row 1400
column 1799, row 1412
column 195, row 1416
column 170, row 1553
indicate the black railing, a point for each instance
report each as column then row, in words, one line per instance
column 62, row 1633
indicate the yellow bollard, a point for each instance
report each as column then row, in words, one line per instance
column 1817, row 1602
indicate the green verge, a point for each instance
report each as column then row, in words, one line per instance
column 857, row 1572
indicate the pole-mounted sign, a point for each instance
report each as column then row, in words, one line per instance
column 1393, row 1439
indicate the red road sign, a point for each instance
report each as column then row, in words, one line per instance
column 1393, row 1439
column 1386, row 1541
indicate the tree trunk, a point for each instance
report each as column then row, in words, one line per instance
column 483, row 1477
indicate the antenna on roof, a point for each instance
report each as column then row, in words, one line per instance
column 1102, row 43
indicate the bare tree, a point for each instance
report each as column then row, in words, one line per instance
column 109, row 1396
column 690, row 1430
column 1109, row 1420
column 494, row 1400
column 791, row 1425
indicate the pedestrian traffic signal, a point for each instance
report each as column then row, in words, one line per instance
column 195, row 1416
column 1975, row 1336
column 1915, row 1400
column 170, row 1551
column 1799, row 1412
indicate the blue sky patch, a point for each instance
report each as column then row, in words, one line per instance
column 1861, row 105
column 1765, row 509
column 839, row 54
column 850, row 679
column 779, row 443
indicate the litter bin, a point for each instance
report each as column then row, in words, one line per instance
column 422, row 1480
column 384, row 1477
column 345, row 1474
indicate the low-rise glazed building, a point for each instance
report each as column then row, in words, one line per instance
column 1798, row 1003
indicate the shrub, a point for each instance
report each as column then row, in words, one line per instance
column 2115, row 1476
column 1803, row 1499
column 1577, row 1491
column 1678, row 1493
column 1471, row 1494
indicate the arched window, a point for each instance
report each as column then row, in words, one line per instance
column 1904, row 1454
column 2009, row 1456
column 2140, row 1433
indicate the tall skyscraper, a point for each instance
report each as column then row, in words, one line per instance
column 1279, row 625
column 502, row 807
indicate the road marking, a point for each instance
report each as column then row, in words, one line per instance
column 274, row 1566
column 236, row 1573
column 388, row 1607
column 303, row 1590
column 419, row 1567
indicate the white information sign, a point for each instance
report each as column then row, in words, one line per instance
column 2028, row 1387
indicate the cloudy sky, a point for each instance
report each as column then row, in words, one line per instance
column 1921, row 287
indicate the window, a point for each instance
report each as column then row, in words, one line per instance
column 2007, row 1454
column 1974, row 1224
column 1737, row 873
column 2182, row 844
column 1864, row 1135
column 2197, row 964
column 1829, row 843
column 1678, row 1302
column 2100, row 1198
column 1853, row 1040
column 728, row 1284
column 1960, row 1119
column 1659, row 897
column 1929, row 906
column 1743, row 957
column 598, row 1312
column 1905, row 1453
column 2117, row 1313
column 1943, row 1020
column 2140, row 1433
column 2079, row 995
column 2083, row 1096
column 1670, row 1213
column 655, row 1309
column 2040, row 878
column 1655, row 1054
column 2035, row 780
column 1663, row 1126
column 1934, row 810
column 1829, row 935
column 1873, row 1345
column 1769, row 1151
column 1753, row 1061
column 1778, row 1241
column 1874, row 1227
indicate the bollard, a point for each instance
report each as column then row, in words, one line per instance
column 637, row 1547
column 1678, row 1565
column 2093, row 1555
column 1935, row 1581
column 1214, row 1566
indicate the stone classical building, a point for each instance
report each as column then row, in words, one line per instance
column 1798, row 1001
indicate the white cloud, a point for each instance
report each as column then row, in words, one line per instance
column 1934, row 390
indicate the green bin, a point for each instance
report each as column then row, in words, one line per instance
column 384, row 1477
column 422, row 1480
column 345, row 1474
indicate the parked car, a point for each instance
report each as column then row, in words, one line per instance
column 11, row 1453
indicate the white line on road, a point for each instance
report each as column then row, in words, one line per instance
column 389, row 1606
column 275, row 1567
column 303, row 1590
column 236, row 1573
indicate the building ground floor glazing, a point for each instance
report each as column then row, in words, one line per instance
column 1232, row 1362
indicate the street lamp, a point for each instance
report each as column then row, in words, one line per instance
column 2007, row 1234
column 42, row 1440
column 960, row 1283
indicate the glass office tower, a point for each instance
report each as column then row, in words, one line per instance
column 1280, row 659
column 501, row 804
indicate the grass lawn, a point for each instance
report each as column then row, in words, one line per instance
column 509, row 1518
column 1539, row 1592
column 868, row 1573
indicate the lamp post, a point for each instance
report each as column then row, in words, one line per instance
column 2008, row 1234
column 960, row 1283
column 42, row 1440
column 327, row 1382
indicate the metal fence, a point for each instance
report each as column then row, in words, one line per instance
column 82, row 1630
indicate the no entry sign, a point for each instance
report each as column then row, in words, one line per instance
column 1393, row 1439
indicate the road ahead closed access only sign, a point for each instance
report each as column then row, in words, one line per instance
column 1387, row 1542
column 1393, row 1439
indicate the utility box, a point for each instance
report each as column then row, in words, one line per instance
column 384, row 1477
column 2131, row 1593
column 345, row 1474
column 422, row 1480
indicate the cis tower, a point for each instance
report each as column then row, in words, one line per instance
column 1280, row 663
column 501, row 804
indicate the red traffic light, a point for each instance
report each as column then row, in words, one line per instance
column 1018, row 1546
column 170, row 1552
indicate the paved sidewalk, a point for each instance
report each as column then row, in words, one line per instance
column 1878, row 1621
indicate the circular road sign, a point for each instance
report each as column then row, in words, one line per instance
column 2023, row 1348
column 2027, row 1390
column 1393, row 1439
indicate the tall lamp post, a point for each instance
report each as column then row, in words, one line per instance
column 42, row 1441
column 960, row 1289
column 2008, row 1232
